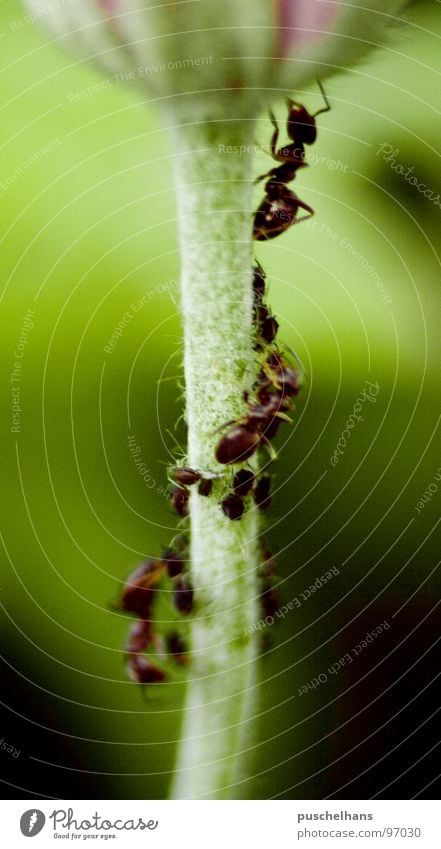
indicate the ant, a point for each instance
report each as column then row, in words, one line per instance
column 249, row 432
column 280, row 206
column 277, row 383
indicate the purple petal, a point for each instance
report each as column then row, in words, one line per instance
column 108, row 5
column 304, row 21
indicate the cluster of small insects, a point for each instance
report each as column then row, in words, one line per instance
column 278, row 381
column 267, row 406
column 140, row 590
column 281, row 207
column 138, row 599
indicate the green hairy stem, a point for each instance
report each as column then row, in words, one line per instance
column 214, row 188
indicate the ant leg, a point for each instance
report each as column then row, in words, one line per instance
column 269, row 446
column 264, row 468
column 290, row 103
column 307, row 209
column 238, row 421
column 262, row 177
column 275, row 134
column 273, row 146
column 327, row 107
column 283, row 416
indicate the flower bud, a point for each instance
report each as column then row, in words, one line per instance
column 206, row 58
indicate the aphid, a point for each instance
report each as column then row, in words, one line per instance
column 280, row 207
column 258, row 283
column 233, row 506
column 137, row 596
column 281, row 375
column 184, row 476
column 177, row 649
column 269, row 600
column 242, row 482
column 237, row 445
column 183, row 595
column 269, row 565
column 180, row 500
column 266, row 325
column 205, row 487
column 174, row 562
column 143, row 671
column 262, row 492
column 140, row 636
column 180, row 543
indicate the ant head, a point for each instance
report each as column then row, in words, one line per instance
column 300, row 125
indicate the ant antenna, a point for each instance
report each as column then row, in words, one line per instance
column 326, row 108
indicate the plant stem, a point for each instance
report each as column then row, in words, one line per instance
column 214, row 190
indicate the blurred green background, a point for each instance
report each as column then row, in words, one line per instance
column 88, row 229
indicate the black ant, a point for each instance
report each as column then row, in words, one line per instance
column 255, row 428
column 277, row 383
column 280, row 206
